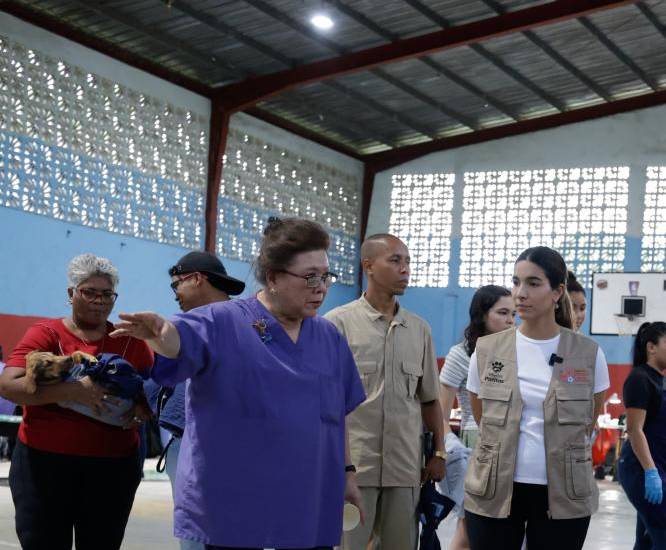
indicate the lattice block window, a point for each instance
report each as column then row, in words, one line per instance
column 653, row 249
column 421, row 207
column 64, row 105
column 261, row 179
column 581, row 212
column 52, row 181
column 81, row 148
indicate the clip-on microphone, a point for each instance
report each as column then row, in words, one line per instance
column 554, row 358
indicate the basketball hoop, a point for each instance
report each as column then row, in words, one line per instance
column 627, row 325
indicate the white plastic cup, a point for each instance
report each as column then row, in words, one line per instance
column 351, row 516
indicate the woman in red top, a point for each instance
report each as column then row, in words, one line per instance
column 70, row 472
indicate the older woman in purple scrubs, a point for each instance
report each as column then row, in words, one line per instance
column 264, row 460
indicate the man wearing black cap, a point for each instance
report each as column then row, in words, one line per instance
column 197, row 279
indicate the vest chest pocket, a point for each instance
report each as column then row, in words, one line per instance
column 412, row 371
column 496, row 403
column 574, row 405
column 481, row 478
column 578, row 467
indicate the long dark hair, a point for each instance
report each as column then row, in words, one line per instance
column 484, row 299
column 647, row 332
column 556, row 271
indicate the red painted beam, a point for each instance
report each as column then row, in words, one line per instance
column 389, row 159
column 366, row 200
column 244, row 94
column 366, row 196
column 302, row 132
column 219, row 131
column 55, row 26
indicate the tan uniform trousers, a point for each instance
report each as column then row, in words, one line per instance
column 390, row 520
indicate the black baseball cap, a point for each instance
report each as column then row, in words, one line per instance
column 210, row 264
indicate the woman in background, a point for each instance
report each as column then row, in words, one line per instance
column 642, row 465
column 578, row 300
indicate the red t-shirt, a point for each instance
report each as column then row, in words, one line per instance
column 58, row 430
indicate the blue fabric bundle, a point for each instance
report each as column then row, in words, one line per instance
column 115, row 375
column 432, row 509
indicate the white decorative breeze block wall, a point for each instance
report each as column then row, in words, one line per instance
column 84, row 149
column 653, row 249
column 581, row 212
column 261, row 179
column 81, row 148
column 421, row 215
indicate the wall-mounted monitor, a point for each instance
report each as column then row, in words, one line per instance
column 633, row 306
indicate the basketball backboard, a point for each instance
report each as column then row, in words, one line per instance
column 621, row 302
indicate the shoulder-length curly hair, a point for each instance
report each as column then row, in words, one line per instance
column 484, row 299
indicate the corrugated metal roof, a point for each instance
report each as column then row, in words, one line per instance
column 608, row 55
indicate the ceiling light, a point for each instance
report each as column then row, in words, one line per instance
column 322, row 21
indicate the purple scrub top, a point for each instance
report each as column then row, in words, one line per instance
column 6, row 407
column 261, row 462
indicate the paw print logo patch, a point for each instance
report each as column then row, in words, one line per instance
column 497, row 366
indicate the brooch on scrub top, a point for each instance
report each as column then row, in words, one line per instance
column 262, row 328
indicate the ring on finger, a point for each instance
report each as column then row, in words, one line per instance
column 138, row 420
column 105, row 397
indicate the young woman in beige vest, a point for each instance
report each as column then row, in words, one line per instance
column 535, row 392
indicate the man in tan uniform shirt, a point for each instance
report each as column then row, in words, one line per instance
column 395, row 358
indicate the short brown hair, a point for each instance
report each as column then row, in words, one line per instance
column 284, row 239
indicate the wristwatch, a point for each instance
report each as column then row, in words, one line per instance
column 350, row 468
column 441, row 454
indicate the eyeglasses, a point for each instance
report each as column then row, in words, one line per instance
column 174, row 286
column 313, row 281
column 92, row 294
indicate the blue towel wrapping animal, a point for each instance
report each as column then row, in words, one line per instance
column 433, row 507
column 116, row 376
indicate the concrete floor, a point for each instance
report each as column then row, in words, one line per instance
column 611, row 528
column 150, row 525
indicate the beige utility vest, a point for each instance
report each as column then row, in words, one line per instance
column 567, row 410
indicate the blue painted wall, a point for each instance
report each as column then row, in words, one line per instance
column 35, row 251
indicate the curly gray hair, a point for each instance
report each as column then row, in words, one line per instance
column 82, row 267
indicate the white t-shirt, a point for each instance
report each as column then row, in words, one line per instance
column 454, row 374
column 534, row 375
